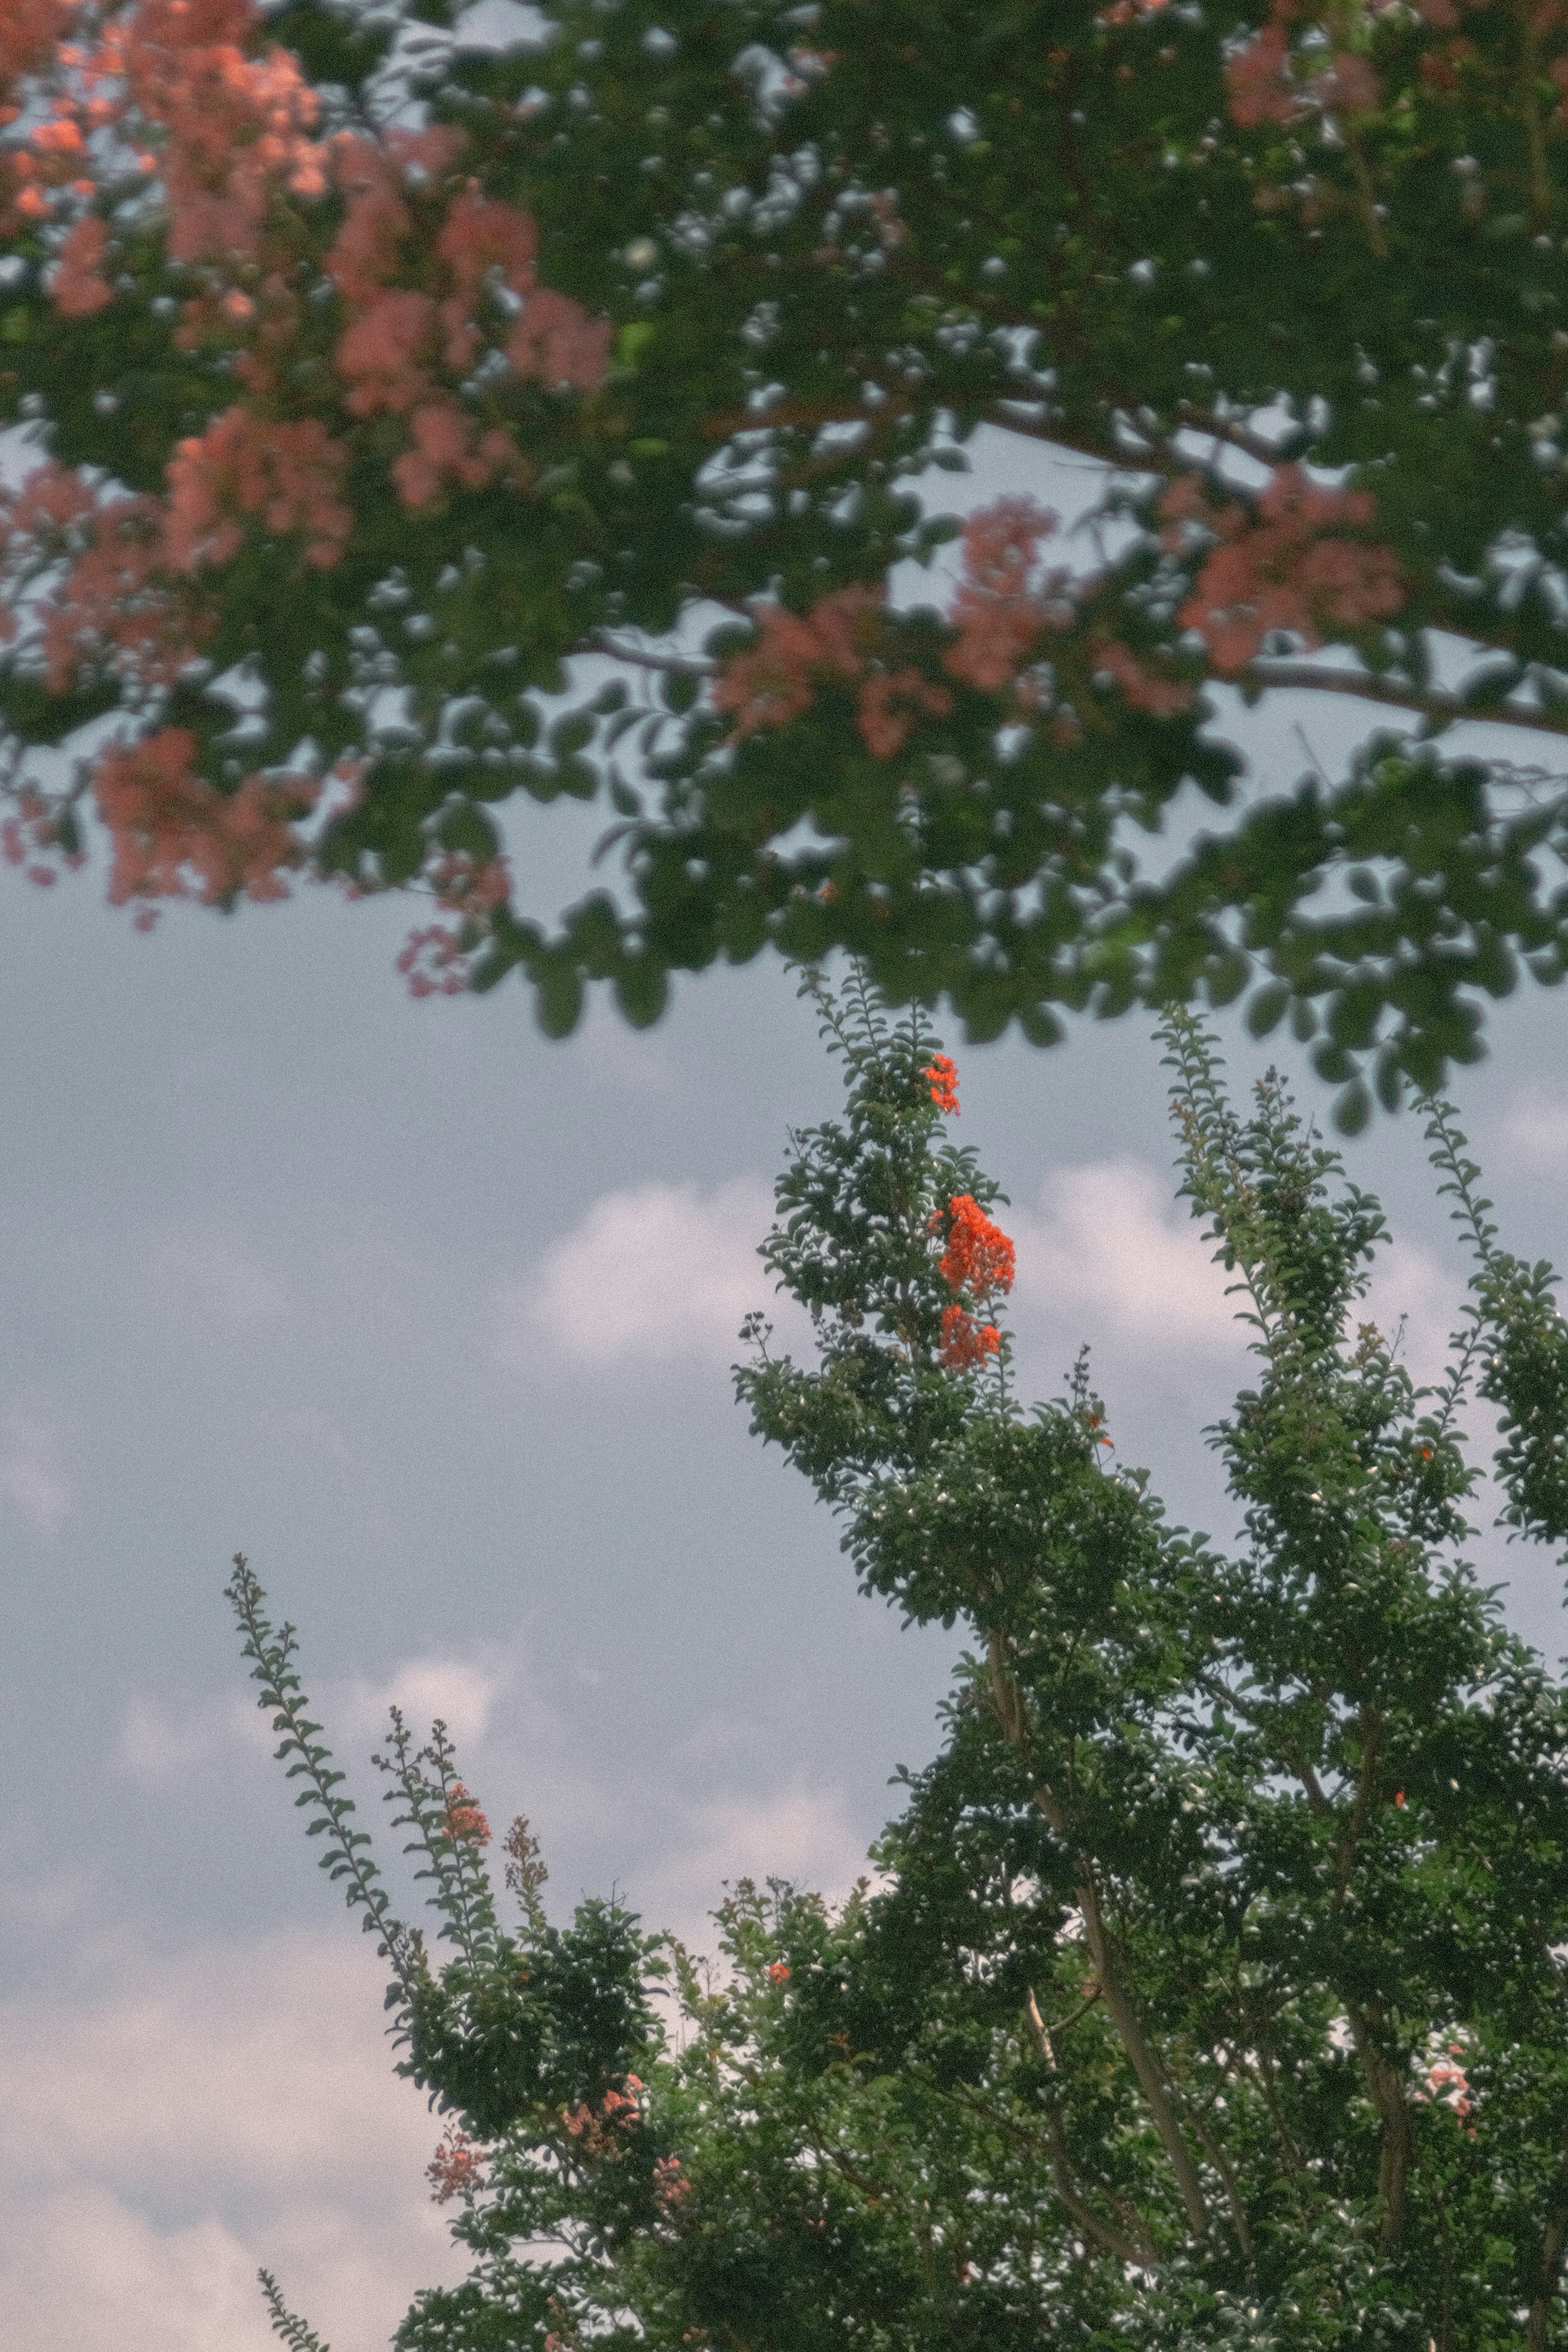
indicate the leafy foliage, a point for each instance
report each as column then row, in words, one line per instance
column 1210, row 1988
column 393, row 389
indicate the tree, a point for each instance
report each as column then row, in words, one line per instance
column 383, row 389
column 1211, row 1987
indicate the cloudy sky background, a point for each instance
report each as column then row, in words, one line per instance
column 433, row 1319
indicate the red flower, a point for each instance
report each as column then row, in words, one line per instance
column 778, row 1972
column 979, row 1256
column 966, row 1339
column 942, row 1075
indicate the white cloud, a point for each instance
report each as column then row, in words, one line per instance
column 85, row 2273
column 1111, row 1250
column 661, row 1271
column 1110, row 1246
column 31, row 1474
column 225, row 1276
column 139, row 2122
column 461, row 1691
column 162, row 1741
column 801, row 1834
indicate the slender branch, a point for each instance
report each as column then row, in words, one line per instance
column 1370, row 1725
column 1265, row 671
column 1110, row 2241
column 667, row 665
column 1216, row 2157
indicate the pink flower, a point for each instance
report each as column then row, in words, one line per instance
column 889, row 703
column 997, row 618
column 79, row 288
column 287, row 476
column 1277, row 569
column 1159, row 698
column 555, row 344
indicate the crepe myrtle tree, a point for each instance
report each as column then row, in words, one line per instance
column 1210, row 1988
column 378, row 390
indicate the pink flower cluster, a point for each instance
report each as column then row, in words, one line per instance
column 106, row 584
column 778, row 678
column 998, row 617
column 671, row 2187
column 1267, row 82
column 467, row 885
column 175, row 836
column 1159, row 698
column 1449, row 2085
column 433, row 961
column 287, row 476
column 231, row 131
column 240, row 128
column 402, row 340
column 1275, row 566
column 31, row 832
column 999, row 612
column 30, row 32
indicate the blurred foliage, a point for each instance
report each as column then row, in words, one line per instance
column 1185, row 246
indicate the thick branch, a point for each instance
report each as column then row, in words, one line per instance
column 1007, row 1700
column 1397, row 2151
column 1553, row 2238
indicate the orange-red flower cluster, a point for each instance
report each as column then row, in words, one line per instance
column 671, row 2187
column 941, row 1073
column 464, row 1820
column 966, row 1340
column 594, row 2129
column 979, row 1256
column 978, row 1261
column 456, row 2168
column 1275, row 567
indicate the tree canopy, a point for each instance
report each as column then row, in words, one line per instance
column 384, row 389
column 1210, row 1990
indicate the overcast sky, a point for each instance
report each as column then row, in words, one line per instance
column 433, row 1319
